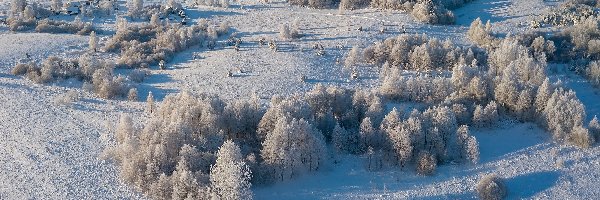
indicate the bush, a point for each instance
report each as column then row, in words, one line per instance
column 426, row 163
column 312, row 3
column 67, row 98
column 20, row 24
column 22, row 68
column 593, row 73
column 148, row 44
column 581, row 137
column 98, row 74
column 428, row 12
column 405, row 5
column 214, row 3
column 132, row 95
column 491, row 187
column 75, row 27
column 353, row 4
column 138, row 75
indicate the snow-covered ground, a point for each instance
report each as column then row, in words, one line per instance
column 51, row 151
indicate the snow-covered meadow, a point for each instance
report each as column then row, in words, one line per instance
column 60, row 139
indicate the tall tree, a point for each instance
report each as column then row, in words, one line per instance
column 230, row 176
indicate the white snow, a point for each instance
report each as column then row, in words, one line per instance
column 50, row 151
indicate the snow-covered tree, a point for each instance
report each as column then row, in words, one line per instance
column 481, row 34
column 353, row 58
column 468, row 148
column 352, row 4
column 230, row 176
column 17, row 7
column 344, row 140
column 563, row 112
column 429, row 12
column 390, row 121
column 29, row 13
column 132, row 95
column 135, row 8
column 400, row 139
column 93, row 43
column 472, row 150
column 293, row 147
column 542, row 96
column 524, row 105
column 150, row 107
column 125, row 128
column 485, row 116
column 369, row 136
column 155, row 20
column 185, row 185
column 581, row 137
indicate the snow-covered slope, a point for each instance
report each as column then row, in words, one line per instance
column 50, row 151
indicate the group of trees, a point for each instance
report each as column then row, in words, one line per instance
column 511, row 81
column 414, row 52
column 192, row 147
column 521, row 86
column 175, row 154
column 97, row 75
column 27, row 16
column 405, row 87
column 147, row 44
column 481, row 34
column 569, row 13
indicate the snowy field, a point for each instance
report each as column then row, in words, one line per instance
column 50, row 150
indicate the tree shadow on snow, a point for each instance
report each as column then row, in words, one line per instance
column 497, row 143
column 197, row 14
column 493, row 10
column 158, row 93
column 527, row 185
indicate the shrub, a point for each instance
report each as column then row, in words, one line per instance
column 352, row 4
column 20, row 24
column 75, row 27
column 581, row 137
column 593, row 73
column 312, row 3
column 491, row 187
column 148, row 44
column 87, row 68
column 132, row 95
column 428, row 12
column 138, row 75
column 426, row 163
column 286, row 32
column 22, row 68
column 215, row 3
column 67, row 98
